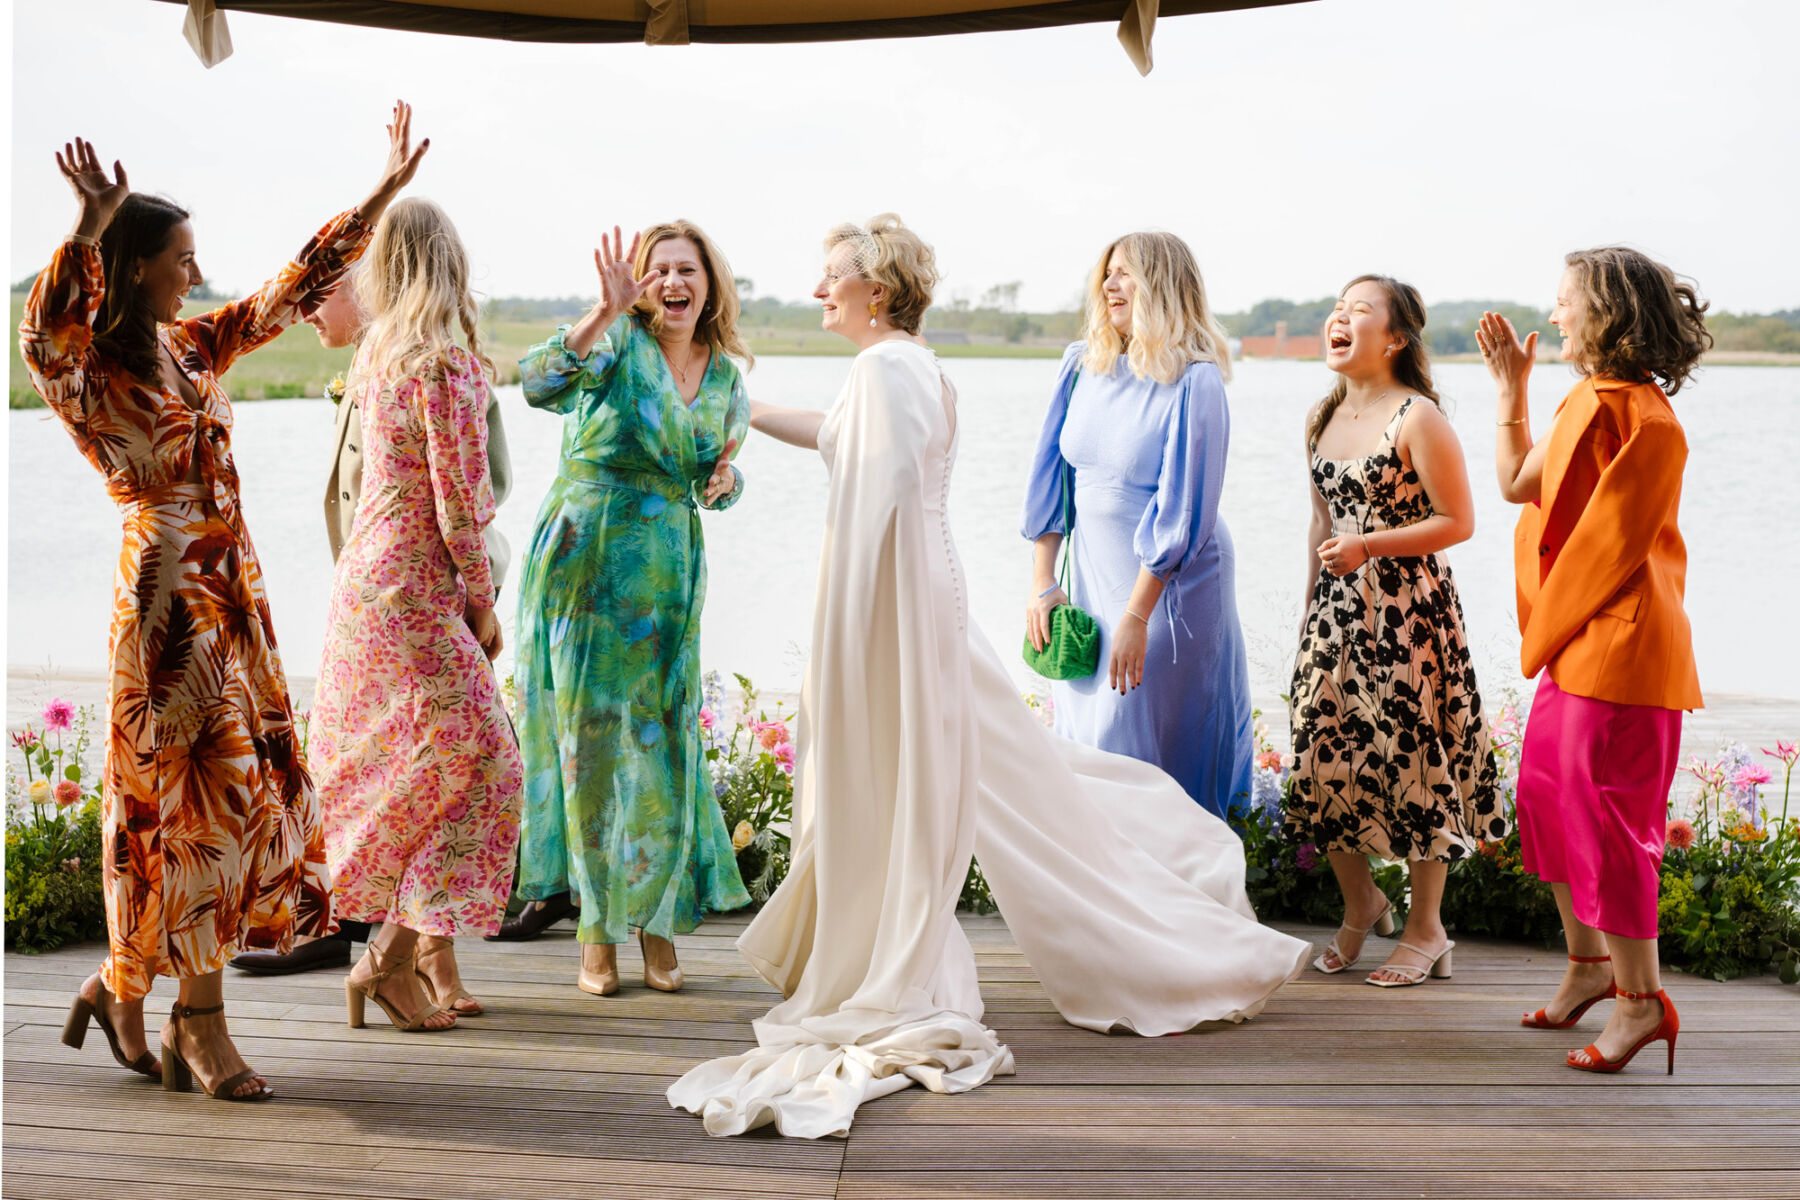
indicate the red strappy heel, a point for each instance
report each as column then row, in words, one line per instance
column 1665, row 1031
column 1541, row 1018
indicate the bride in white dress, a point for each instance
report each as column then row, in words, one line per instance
column 915, row 751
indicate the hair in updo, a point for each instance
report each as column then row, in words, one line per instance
column 890, row 254
column 1643, row 324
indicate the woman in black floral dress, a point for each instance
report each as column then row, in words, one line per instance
column 1390, row 748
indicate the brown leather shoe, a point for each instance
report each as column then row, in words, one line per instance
column 534, row 918
column 322, row 952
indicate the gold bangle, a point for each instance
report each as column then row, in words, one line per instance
column 82, row 239
column 1514, row 421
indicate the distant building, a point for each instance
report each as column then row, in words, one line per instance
column 1282, row 345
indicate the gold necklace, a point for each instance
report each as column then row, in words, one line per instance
column 680, row 373
column 1356, row 413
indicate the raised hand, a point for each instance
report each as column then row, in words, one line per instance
column 402, row 164
column 723, row 477
column 1508, row 359
column 618, row 289
column 98, row 196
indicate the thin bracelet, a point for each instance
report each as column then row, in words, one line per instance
column 1053, row 587
column 1514, row 421
column 1364, row 539
column 82, row 239
column 1145, row 620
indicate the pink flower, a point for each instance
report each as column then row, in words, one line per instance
column 26, row 741
column 773, row 734
column 1269, row 760
column 784, row 754
column 1787, row 752
column 1750, row 776
column 59, row 715
column 706, row 717
column 1680, row 833
column 67, row 792
column 1307, row 857
column 71, row 865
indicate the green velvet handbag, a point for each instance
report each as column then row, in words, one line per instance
column 1073, row 651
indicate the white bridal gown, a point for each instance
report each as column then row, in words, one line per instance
column 915, row 751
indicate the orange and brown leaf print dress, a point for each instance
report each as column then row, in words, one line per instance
column 213, row 833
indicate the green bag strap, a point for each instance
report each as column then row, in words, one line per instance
column 1068, row 500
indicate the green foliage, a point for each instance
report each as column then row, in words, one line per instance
column 1289, row 882
column 1491, row 893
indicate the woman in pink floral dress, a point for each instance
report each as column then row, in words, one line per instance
column 417, row 766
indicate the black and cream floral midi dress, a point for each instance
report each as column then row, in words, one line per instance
column 1391, row 753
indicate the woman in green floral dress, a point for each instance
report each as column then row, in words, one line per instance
column 619, row 806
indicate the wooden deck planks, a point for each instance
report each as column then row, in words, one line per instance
column 1336, row 1090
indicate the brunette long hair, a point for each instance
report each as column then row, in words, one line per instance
column 126, row 328
column 1412, row 365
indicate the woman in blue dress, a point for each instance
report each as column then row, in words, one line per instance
column 1138, row 426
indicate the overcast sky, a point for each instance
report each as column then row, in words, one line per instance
column 1464, row 147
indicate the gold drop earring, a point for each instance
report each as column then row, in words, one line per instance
column 871, row 314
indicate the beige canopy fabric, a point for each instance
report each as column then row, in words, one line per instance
column 678, row 22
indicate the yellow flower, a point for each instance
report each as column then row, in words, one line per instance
column 40, row 791
column 742, row 835
column 334, row 391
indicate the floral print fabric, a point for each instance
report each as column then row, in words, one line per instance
column 213, row 834
column 1390, row 748
column 418, row 771
column 619, row 805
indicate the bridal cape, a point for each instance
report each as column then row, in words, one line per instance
column 915, row 750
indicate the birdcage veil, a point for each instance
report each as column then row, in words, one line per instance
column 887, row 252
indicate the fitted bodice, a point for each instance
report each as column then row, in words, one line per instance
column 1377, row 491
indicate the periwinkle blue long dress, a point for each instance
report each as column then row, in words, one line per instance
column 1149, row 464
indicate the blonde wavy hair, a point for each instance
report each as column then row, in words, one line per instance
column 1172, row 325
column 717, row 325
column 414, row 285
column 889, row 253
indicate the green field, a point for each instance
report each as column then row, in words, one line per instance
column 294, row 364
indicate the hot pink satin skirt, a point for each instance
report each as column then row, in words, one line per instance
column 1593, row 803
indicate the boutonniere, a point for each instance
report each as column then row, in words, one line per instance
column 334, row 391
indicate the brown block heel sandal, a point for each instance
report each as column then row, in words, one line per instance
column 75, row 1033
column 177, row 1076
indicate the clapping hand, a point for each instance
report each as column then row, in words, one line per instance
column 1508, row 359
column 723, row 478
column 98, row 196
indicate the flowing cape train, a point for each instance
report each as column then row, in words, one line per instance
column 915, row 750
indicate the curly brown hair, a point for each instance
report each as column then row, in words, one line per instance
column 1643, row 323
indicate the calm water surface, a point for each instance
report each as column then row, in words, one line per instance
column 1738, row 512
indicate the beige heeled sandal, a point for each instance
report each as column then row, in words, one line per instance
column 449, row 1000
column 1411, row 976
column 355, row 993
column 1383, row 924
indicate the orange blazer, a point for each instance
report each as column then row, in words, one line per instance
column 1599, row 563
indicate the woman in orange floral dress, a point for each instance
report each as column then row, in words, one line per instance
column 213, row 833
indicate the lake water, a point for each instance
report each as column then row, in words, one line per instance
column 1739, row 513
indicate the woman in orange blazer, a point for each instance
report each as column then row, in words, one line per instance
column 1600, row 568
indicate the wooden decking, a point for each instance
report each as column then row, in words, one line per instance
column 1337, row 1090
